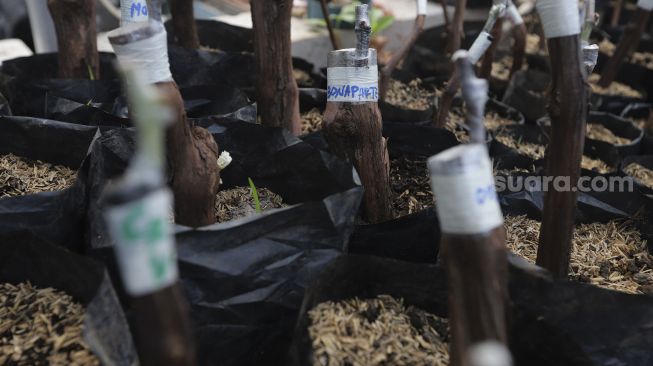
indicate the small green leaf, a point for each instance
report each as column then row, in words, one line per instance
column 254, row 192
column 382, row 23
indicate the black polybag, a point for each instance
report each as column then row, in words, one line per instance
column 219, row 35
column 622, row 128
column 26, row 258
column 271, row 157
column 526, row 93
column 589, row 329
column 53, row 216
column 245, row 279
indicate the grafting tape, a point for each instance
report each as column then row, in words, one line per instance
column 463, row 186
column 145, row 247
column 353, row 84
column 480, row 45
column 512, row 13
column 133, row 11
column 148, row 56
column 421, row 7
column 559, row 17
column 645, row 4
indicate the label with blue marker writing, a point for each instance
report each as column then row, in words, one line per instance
column 463, row 186
column 133, row 11
column 145, row 246
column 353, row 84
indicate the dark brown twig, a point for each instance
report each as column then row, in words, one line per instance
column 354, row 130
column 627, row 44
column 327, row 19
column 397, row 57
column 278, row 94
column 567, row 109
column 74, row 22
column 183, row 22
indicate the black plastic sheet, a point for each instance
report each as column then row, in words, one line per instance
column 271, row 157
column 219, row 35
column 245, row 279
column 26, row 258
column 53, row 216
column 589, row 329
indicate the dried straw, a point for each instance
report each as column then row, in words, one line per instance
column 611, row 255
column 599, row 132
column 535, row 151
column 642, row 174
column 379, row 331
column 238, row 202
column 501, row 68
column 41, row 327
column 20, row 176
column 311, row 121
column 615, row 88
column 409, row 96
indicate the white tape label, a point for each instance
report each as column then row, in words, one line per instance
column 463, row 186
column 512, row 13
column 149, row 56
column 353, row 84
column 421, row 7
column 144, row 243
column 560, row 18
column 645, row 4
column 133, row 11
column 480, row 45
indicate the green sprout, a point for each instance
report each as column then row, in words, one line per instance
column 254, row 192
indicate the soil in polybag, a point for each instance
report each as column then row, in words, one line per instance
column 407, row 99
column 540, row 331
column 26, row 203
column 272, row 158
column 59, row 308
column 611, row 255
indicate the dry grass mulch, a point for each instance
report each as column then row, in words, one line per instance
column 611, row 255
column 375, row 332
column 409, row 96
column 642, row 174
column 20, row 176
column 238, row 202
column 41, row 326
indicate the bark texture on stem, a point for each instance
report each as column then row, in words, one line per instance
column 628, row 43
column 163, row 334
column 476, row 272
column 327, row 19
column 183, row 22
column 354, row 133
column 518, row 48
column 278, row 94
column 74, row 22
column 567, row 109
column 616, row 13
column 488, row 57
column 445, row 14
column 441, row 117
column 397, row 57
column 457, row 27
column 192, row 159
